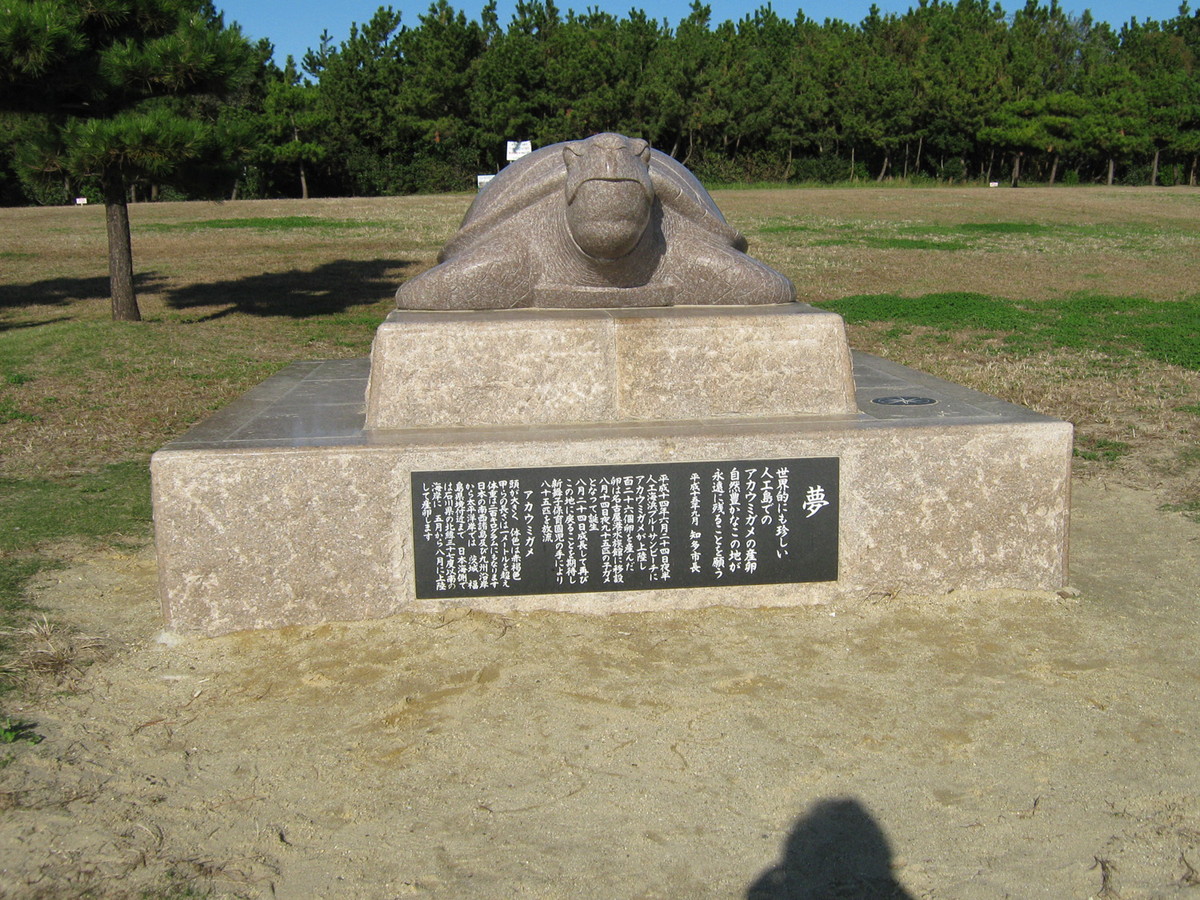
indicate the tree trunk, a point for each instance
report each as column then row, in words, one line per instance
column 1016, row 172
column 1154, row 169
column 1053, row 170
column 887, row 160
column 852, row 148
column 906, row 159
column 1112, row 165
column 120, row 252
column 300, row 162
column 991, row 156
column 920, row 147
column 1192, row 174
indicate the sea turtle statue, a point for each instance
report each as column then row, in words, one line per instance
column 602, row 222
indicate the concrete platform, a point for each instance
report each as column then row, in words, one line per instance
column 285, row 508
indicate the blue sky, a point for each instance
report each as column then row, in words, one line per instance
column 293, row 26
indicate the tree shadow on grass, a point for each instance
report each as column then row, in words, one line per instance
column 13, row 326
column 61, row 291
column 332, row 287
column 835, row 850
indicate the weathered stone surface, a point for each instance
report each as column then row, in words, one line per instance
column 564, row 367
column 245, row 541
column 286, row 511
column 603, row 222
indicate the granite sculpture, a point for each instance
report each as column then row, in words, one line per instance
column 603, row 222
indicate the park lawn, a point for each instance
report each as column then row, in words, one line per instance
column 1081, row 303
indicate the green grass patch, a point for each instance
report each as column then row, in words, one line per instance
column 978, row 229
column 98, row 353
column 274, row 223
column 1190, row 510
column 113, row 500
column 1004, row 228
column 787, row 229
column 949, row 311
column 1168, row 331
column 10, row 412
column 13, row 730
column 905, row 243
column 991, row 236
column 911, row 237
column 890, row 243
column 1099, row 449
column 1106, row 231
column 15, row 254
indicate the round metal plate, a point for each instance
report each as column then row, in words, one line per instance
column 904, row 401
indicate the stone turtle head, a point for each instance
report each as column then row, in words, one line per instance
column 609, row 194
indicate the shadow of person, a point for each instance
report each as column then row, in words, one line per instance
column 835, row 851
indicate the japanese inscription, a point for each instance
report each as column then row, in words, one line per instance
column 602, row 528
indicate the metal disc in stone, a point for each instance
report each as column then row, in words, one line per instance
column 904, row 400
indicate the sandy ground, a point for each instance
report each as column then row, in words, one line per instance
column 969, row 746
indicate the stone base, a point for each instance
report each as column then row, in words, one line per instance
column 581, row 366
column 285, row 509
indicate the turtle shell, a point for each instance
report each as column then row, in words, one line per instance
column 533, row 178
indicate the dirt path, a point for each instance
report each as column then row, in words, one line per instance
column 981, row 746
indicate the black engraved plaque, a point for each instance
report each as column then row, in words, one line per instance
column 490, row 532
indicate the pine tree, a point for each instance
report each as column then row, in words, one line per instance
column 359, row 83
column 87, row 79
column 293, row 120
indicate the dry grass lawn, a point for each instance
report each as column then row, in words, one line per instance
column 981, row 746
column 285, row 280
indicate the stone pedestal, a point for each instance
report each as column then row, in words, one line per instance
column 579, row 367
column 294, row 505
